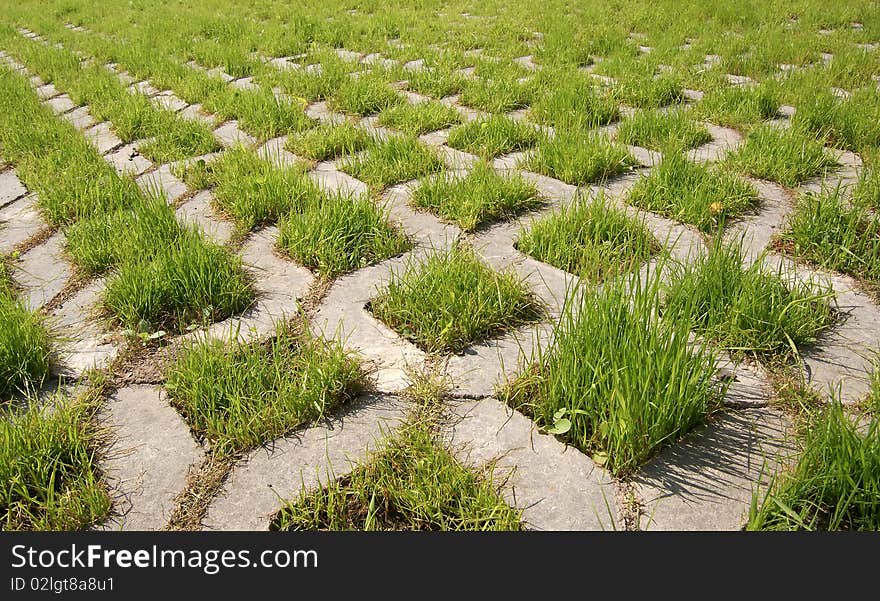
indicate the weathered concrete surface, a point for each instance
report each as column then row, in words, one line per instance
column 705, row 481
column 556, row 486
column 229, row 134
column 306, row 460
column 82, row 342
column 148, row 463
column 19, row 221
column 43, row 271
column 11, row 188
column 280, row 284
column 102, row 137
column 198, row 211
column 128, row 160
column 163, row 181
column 342, row 316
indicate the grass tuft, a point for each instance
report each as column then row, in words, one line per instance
column 491, row 136
column 579, row 157
column 47, row 468
column 453, row 300
column 340, row 234
column 411, row 484
column 241, row 396
column 746, row 309
column 618, row 382
column 784, row 156
column 482, row 196
column 591, row 239
column 706, row 197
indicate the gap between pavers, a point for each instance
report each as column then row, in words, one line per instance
column 705, row 481
column 556, row 486
column 148, row 462
column 308, row 459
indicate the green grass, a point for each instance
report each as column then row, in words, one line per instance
column 618, row 382
column 340, row 234
column 393, row 160
column 255, row 191
column 852, row 123
column 480, row 197
column 164, row 274
column 574, row 100
column 452, row 300
column 364, row 95
column 260, row 113
column 748, row 310
column 53, row 160
column 740, row 107
column 579, row 157
column 25, row 345
column 190, row 281
column 835, row 483
column 435, row 81
column 706, row 197
column 589, row 238
column 496, row 96
column 784, row 156
column 417, row 119
column 491, row 136
column 239, row 397
column 657, row 130
column 49, row 477
column 330, row 141
column 411, row 484
column 828, row 231
column 649, row 92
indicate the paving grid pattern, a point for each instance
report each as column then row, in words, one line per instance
column 703, row 482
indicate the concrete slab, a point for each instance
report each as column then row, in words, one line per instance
column 43, row 271
column 556, row 486
column 149, row 460
column 305, row 461
column 705, row 482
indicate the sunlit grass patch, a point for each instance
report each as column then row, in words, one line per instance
column 575, row 100
column 452, row 300
column 618, row 381
column 828, row 231
column 339, row 234
column 578, row 157
column 330, row 141
column 492, row 136
column 748, row 309
column 256, row 191
column 739, row 106
column 364, row 95
column 835, row 483
column 393, row 160
column 701, row 195
column 48, row 476
column 417, row 119
column 244, row 395
column 663, row 130
column 25, row 345
column 496, row 96
column 480, row 197
column 784, row 156
column 589, row 238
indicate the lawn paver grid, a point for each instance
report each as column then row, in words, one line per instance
column 550, row 486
